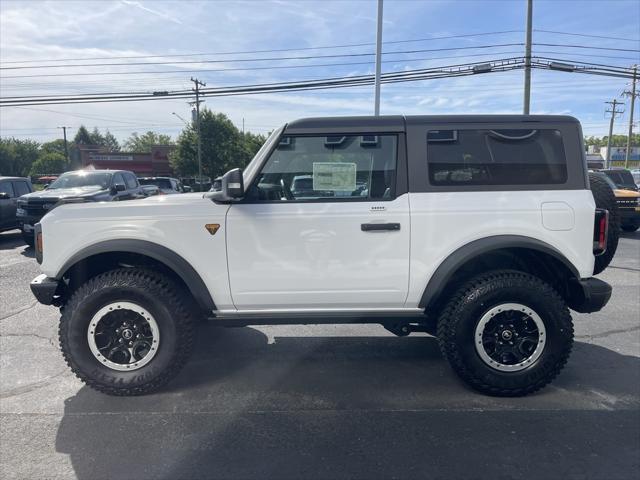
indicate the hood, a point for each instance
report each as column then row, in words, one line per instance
column 620, row 193
column 65, row 192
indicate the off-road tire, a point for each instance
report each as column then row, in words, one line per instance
column 156, row 293
column 461, row 315
column 630, row 228
column 604, row 198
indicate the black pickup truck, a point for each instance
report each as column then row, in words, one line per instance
column 78, row 186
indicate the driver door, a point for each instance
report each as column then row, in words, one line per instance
column 323, row 226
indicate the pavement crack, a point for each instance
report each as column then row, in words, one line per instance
column 625, row 268
column 20, row 310
column 35, row 335
column 609, row 332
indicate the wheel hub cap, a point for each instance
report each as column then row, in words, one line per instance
column 123, row 336
column 509, row 337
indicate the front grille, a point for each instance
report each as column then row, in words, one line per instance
column 632, row 202
column 38, row 209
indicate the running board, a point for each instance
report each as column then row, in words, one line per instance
column 241, row 319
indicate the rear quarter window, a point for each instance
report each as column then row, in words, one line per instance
column 496, row 157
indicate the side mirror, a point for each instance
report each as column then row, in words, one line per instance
column 45, row 186
column 118, row 187
column 4, row 196
column 231, row 187
column 187, row 189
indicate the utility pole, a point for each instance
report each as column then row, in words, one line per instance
column 527, row 59
column 614, row 103
column 633, row 96
column 378, row 60
column 198, row 84
column 66, row 148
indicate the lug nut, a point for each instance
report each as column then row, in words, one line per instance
column 131, row 344
column 121, row 341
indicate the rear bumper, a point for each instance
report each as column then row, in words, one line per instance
column 590, row 295
column 44, row 289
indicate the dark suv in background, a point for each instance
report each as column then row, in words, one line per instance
column 622, row 178
column 78, row 186
column 166, row 185
column 10, row 189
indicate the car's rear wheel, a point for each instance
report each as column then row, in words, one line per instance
column 127, row 331
column 506, row 333
column 604, row 198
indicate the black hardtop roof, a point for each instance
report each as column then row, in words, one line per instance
column 398, row 122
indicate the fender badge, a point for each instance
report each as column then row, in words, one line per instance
column 212, row 228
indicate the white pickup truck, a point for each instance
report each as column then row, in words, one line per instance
column 481, row 230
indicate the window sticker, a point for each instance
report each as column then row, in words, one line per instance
column 337, row 176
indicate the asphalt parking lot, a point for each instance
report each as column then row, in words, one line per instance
column 318, row 402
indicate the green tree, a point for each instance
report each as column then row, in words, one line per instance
column 17, row 156
column 143, row 143
column 49, row 163
column 616, row 140
column 96, row 137
column 83, row 137
column 111, row 142
column 223, row 146
column 56, row 146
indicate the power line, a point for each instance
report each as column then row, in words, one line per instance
column 337, row 82
column 311, row 57
column 322, row 47
column 265, row 59
column 275, row 50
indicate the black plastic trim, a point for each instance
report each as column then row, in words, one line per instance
column 44, row 289
column 169, row 258
column 595, row 295
column 37, row 229
column 453, row 262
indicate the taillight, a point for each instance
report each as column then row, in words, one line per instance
column 600, row 231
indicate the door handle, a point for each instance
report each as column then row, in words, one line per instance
column 376, row 227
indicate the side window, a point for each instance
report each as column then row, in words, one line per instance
column 117, row 179
column 130, row 181
column 335, row 167
column 21, row 188
column 5, row 187
column 496, row 157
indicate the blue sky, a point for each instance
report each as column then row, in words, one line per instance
column 49, row 31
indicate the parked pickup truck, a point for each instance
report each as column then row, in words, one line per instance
column 480, row 230
column 76, row 187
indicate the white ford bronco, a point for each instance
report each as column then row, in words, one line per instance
column 479, row 230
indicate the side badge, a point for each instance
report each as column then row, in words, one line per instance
column 212, row 228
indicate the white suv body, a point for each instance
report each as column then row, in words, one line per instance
column 446, row 198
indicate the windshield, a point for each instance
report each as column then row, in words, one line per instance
column 250, row 170
column 82, row 179
column 159, row 182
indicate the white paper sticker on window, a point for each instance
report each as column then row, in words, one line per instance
column 335, row 176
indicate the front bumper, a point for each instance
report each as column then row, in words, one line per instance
column 44, row 289
column 630, row 215
column 589, row 295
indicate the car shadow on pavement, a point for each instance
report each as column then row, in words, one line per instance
column 12, row 239
column 250, row 405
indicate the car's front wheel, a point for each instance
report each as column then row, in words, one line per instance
column 127, row 331
column 506, row 333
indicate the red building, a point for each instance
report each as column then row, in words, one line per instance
column 154, row 164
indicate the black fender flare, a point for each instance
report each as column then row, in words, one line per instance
column 168, row 257
column 467, row 252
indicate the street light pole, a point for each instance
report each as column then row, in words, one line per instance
column 527, row 60
column 378, row 60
